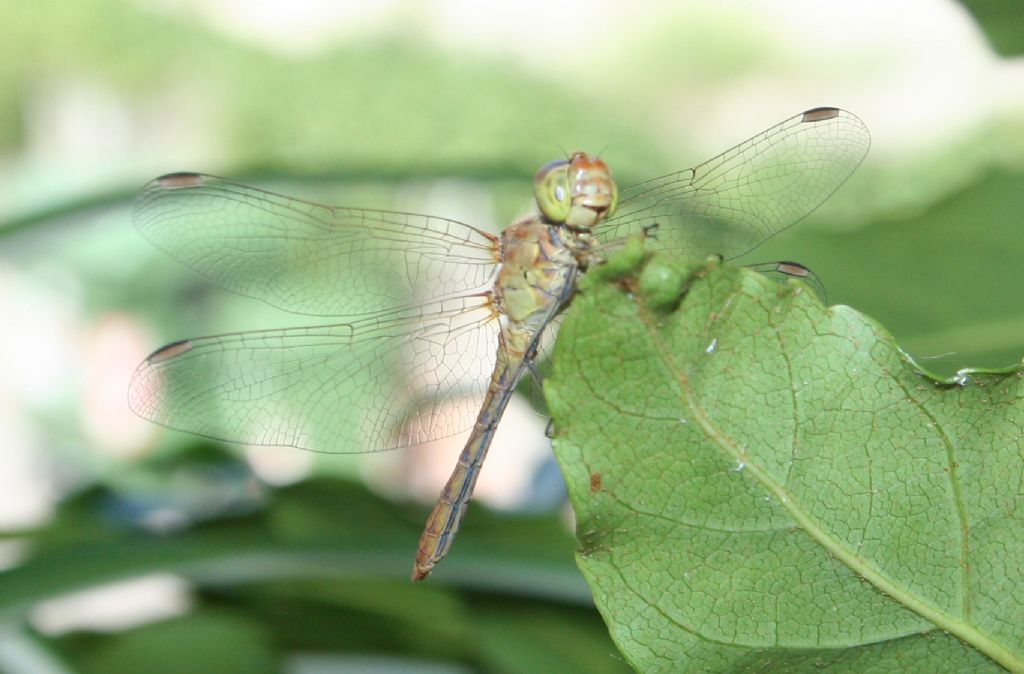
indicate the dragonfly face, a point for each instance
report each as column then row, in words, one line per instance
column 579, row 192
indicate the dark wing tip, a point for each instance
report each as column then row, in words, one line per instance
column 820, row 114
column 179, row 180
column 146, row 389
column 168, row 351
column 794, row 269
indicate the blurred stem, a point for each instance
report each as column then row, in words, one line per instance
column 224, row 558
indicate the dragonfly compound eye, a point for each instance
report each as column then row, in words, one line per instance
column 551, row 190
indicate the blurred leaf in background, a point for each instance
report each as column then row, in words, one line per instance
column 322, row 568
column 1000, row 19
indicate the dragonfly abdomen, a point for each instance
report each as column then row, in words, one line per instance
column 444, row 520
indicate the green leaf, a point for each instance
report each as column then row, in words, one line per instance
column 1000, row 21
column 764, row 484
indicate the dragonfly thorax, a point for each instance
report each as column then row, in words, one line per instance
column 537, row 262
column 579, row 192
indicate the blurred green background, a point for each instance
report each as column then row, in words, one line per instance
column 127, row 548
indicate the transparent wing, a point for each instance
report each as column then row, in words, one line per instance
column 734, row 202
column 381, row 382
column 308, row 258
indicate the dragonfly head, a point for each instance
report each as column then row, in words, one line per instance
column 578, row 192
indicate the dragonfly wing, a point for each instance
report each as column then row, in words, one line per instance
column 308, row 258
column 732, row 203
column 381, row 382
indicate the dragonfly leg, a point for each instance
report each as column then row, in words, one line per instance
column 533, row 371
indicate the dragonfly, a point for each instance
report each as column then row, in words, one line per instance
column 425, row 325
